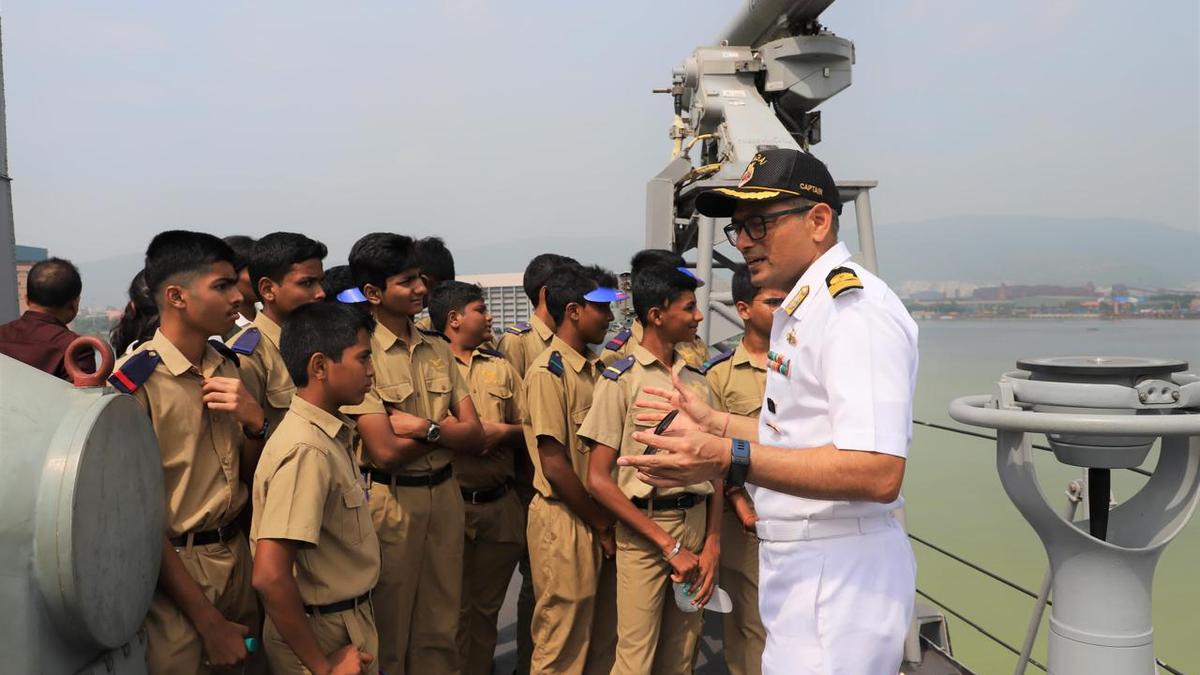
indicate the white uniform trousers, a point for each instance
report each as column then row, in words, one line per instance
column 836, row 605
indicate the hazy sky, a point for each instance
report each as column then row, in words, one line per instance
column 484, row 120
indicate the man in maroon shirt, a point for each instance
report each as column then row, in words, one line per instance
column 40, row 337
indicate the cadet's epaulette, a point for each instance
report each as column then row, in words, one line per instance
column 491, row 352
column 715, row 360
column 434, row 333
column 619, row 340
column 247, row 342
column 842, row 279
column 224, row 350
column 519, row 329
column 618, row 368
column 134, row 371
column 555, row 364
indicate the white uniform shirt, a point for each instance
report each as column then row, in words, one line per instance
column 849, row 367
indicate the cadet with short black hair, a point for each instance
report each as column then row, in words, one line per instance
column 316, row 556
column 285, row 271
column 40, row 336
column 662, row 535
column 495, row 516
column 694, row 351
column 242, row 247
column 416, row 418
column 523, row 342
column 570, row 536
column 205, row 421
column 737, row 379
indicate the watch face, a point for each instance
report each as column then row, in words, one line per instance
column 434, row 434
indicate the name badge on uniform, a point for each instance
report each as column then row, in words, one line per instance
column 778, row 363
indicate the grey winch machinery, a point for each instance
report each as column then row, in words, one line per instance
column 1100, row 414
column 81, row 523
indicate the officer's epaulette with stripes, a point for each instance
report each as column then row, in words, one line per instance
column 224, row 350
column 247, row 342
column 619, row 340
column 134, row 371
column 433, row 333
column 555, row 364
column 519, row 329
column 491, row 352
column 842, row 279
column 715, row 360
column 618, row 368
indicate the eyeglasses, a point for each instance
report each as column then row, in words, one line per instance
column 756, row 226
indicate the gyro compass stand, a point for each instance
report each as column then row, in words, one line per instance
column 1099, row 413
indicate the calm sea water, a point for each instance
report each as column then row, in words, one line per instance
column 955, row 499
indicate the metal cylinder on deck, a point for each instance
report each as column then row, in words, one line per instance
column 82, row 502
column 1099, row 413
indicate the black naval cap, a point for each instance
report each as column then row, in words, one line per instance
column 775, row 174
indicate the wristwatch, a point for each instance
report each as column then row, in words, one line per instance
column 261, row 433
column 434, row 433
column 739, row 464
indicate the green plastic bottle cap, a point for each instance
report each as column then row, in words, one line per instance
column 251, row 644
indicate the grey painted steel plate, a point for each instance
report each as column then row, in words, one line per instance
column 1101, row 366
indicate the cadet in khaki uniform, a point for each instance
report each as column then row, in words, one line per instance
column 495, row 516
column 570, row 536
column 204, row 606
column 694, row 351
column 285, row 271
column 738, row 379
column 663, row 535
column 521, row 344
column 316, row 557
column 412, row 422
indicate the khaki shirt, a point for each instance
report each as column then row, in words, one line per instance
column 307, row 489
column 522, row 347
column 200, row 448
column 612, row 420
column 557, row 405
column 694, row 353
column 264, row 372
column 496, row 392
column 414, row 373
column 737, row 382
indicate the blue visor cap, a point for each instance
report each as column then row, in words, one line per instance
column 351, row 296
column 690, row 273
column 604, row 294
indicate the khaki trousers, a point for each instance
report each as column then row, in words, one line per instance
column 334, row 631
column 574, row 615
column 173, row 646
column 744, row 635
column 494, row 542
column 653, row 634
column 418, row 595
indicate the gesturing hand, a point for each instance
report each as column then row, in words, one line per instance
column 694, row 412
column 693, row 457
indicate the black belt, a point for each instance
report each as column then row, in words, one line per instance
column 681, row 501
column 411, row 479
column 338, row 606
column 484, row 496
column 219, row 535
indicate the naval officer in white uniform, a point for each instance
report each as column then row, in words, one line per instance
column 825, row 461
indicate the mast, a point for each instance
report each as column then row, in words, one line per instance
column 8, row 243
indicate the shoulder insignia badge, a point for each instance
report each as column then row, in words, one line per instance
column 794, row 303
column 619, row 340
column 496, row 353
column 433, row 333
column 555, row 365
column 135, row 371
column 618, row 368
column 715, row 360
column 519, row 329
column 842, row 279
column 225, row 351
column 247, row 342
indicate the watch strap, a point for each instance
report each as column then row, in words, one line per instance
column 739, row 464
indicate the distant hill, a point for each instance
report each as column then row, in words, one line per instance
column 1032, row 249
column 1015, row 249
